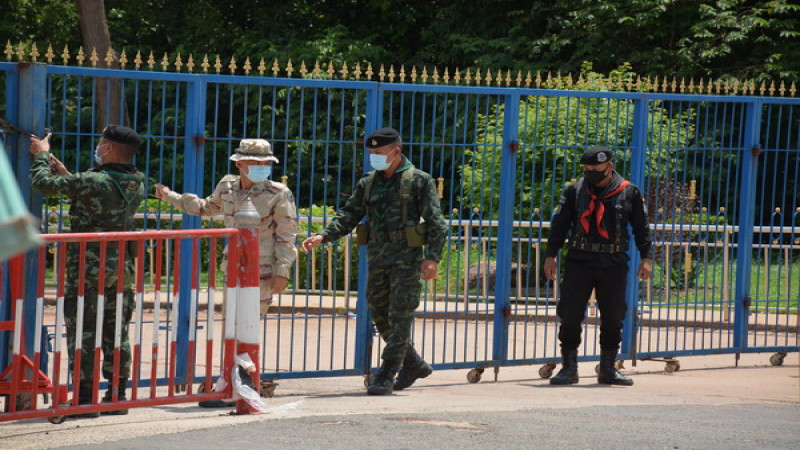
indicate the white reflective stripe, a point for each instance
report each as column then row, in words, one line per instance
column 98, row 334
column 193, row 314
column 60, row 320
column 176, row 306
column 156, row 318
column 37, row 335
column 118, row 322
column 230, row 313
column 78, row 321
column 247, row 314
column 17, row 327
column 139, row 302
column 210, row 314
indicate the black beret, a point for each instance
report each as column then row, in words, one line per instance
column 381, row 137
column 121, row 135
column 597, row 155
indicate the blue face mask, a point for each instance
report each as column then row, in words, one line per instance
column 257, row 174
column 379, row 162
column 97, row 158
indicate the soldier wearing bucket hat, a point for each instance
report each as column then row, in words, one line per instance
column 273, row 201
column 595, row 213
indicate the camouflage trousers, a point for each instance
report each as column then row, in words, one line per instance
column 393, row 288
column 88, row 332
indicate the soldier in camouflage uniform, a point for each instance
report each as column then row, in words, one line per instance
column 102, row 199
column 395, row 260
column 273, row 201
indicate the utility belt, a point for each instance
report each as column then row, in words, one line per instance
column 414, row 235
column 594, row 247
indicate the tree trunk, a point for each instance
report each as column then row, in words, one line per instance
column 94, row 30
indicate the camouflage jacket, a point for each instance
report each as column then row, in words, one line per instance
column 385, row 210
column 273, row 201
column 104, row 198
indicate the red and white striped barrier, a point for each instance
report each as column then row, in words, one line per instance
column 22, row 380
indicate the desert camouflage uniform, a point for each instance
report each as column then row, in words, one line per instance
column 278, row 228
column 101, row 199
column 393, row 284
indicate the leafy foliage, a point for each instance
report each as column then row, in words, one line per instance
column 689, row 38
column 553, row 133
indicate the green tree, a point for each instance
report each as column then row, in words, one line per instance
column 553, row 131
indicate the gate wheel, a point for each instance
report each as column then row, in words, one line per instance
column 777, row 358
column 546, row 371
column 57, row 420
column 474, row 375
column 268, row 388
column 672, row 366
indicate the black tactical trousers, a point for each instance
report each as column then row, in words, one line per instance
column 610, row 284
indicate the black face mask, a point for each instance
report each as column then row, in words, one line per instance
column 594, row 176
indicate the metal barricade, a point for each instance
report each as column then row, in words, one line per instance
column 153, row 340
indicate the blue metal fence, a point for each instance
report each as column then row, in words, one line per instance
column 720, row 173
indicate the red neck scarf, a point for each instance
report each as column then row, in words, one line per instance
column 601, row 209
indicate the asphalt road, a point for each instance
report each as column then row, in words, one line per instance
column 710, row 403
column 620, row 427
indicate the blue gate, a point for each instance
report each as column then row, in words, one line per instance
column 720, row 173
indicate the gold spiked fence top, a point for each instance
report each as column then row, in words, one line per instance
column 458, row 77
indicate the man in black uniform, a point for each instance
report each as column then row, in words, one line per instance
column 595, row 212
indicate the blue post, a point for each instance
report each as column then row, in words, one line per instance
column 12, row 89
column 364, row 321
column 744, row 251
column 31, row 114
column 505, row 232
column 194, row 146
column 638, row 160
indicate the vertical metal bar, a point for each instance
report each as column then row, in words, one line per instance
column 31, row 113
column 639, row 151
column 505, row 232
column 194, row 145
column 364, row 340
column 11, row 109
column 744, row 254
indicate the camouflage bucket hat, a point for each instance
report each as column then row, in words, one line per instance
column 254, row 150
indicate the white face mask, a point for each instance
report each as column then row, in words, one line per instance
column 378, row 161
column 257, row 174
column 97, row 158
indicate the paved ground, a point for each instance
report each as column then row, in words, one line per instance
column 709, row 403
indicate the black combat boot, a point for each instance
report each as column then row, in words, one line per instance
column 414, row 368
column 382, row 383
column 85, row 398
column 123, row 382
column 608, row 373
column 569, row 368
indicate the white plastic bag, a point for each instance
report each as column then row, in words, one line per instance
column 243, row 385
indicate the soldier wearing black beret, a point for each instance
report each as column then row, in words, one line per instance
column 395, row 197
column 102, row 199
column 595, row 213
